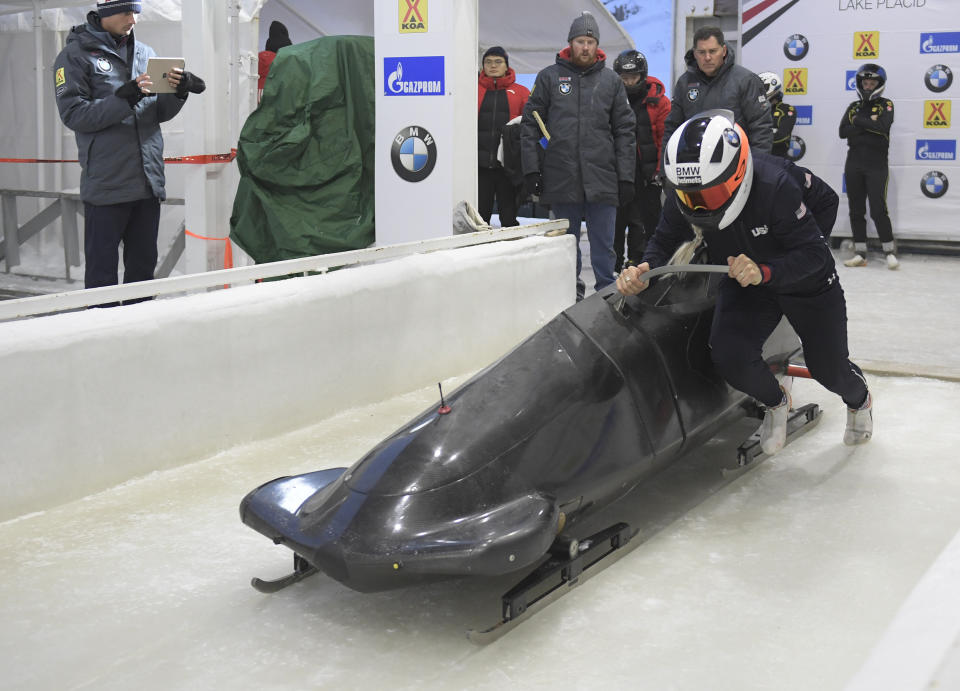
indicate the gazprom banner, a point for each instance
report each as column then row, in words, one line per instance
column 818, row 45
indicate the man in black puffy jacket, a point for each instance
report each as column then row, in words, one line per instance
column 103, row 95
column 714, row 80
column 587, row 169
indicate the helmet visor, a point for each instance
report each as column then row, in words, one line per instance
column 711, row 198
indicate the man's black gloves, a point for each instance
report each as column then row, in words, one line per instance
column 534, row 184
column 130, row 92
column 625, row 192
column 190, row 83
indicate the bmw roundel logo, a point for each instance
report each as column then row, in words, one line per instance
column 565, row 88
column 797, row 148
column 796, row 47
column 693, row 94
column 414, row 153
column 104, row 65
column 938, row 78
column 934, row 184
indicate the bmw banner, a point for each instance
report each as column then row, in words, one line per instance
column 818, row 46
column 426, row 63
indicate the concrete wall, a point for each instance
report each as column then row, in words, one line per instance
column 94, row 398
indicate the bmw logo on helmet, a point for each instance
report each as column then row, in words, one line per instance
column 796, row 47
column 797, row 148
column 693, row 94
column 934, row 184
column 938, row 78
column 414, row 153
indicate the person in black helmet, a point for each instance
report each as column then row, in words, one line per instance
column 784, row 115
column 748, row 208
column 637, row 219
column 866, row 127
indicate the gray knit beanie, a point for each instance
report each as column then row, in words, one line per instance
column 584, row 25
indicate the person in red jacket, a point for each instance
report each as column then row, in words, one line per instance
column 651, row 106
column 279, row 38
column 499, row 100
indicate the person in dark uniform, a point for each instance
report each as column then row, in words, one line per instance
column 820, row 199
column 637, row 219
column 499, row 100
column 784, row 115
column 866, row 127
column 749, row 210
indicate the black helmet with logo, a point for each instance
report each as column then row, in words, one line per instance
column 631, row 62
column 871, row 71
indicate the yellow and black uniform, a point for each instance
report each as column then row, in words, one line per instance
column 866, row 127
column 784, row 118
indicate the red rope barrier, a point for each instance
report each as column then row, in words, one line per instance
column 203, row 159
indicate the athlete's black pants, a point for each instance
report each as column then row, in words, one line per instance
column 636, row 220
column 867, row 179
column 494, row 183
column 745, row 317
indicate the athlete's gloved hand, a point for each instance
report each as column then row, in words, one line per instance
column 190, row 84
column 534, row 184
column 130, row 92
column 625, row 192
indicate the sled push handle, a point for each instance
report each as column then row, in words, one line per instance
column 672, row 269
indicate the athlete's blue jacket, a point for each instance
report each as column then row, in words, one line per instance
column 120, row 148
column 775, row 229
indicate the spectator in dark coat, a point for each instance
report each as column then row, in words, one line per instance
column 103, row 95
column 588, row 166
column 499, row 100
column 714, row 80
column 651, row 106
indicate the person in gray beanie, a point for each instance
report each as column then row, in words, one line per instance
column 104, row 95
column 587, row 169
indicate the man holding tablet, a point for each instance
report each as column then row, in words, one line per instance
column 106, row 96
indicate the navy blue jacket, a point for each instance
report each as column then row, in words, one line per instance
column 120, row 148
column 775, row 229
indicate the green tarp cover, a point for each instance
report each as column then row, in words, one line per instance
column 306, row 155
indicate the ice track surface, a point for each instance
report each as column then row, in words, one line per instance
column 783, row 578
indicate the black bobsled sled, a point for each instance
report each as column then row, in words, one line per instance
column 594, row 403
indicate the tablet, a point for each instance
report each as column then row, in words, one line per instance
column 157, row 69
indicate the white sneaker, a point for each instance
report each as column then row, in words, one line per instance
column 773, row 431
column 892, row 261
column 856, row 260
column 859, row 423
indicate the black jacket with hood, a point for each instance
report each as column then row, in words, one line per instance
column 592, row 132
column 733, row 87
column 120, row 148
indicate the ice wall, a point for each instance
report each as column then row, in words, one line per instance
column 94, row 398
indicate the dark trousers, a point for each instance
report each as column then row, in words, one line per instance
column 133, row 224
column 743, row 319
column 636, row 220
column 868, row 180
column 493, row 183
